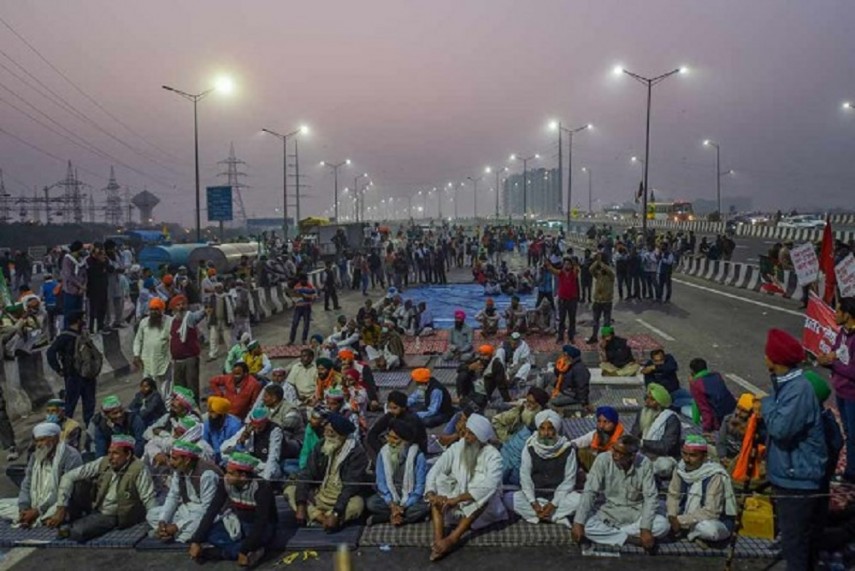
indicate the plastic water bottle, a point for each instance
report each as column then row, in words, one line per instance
column 837, row 563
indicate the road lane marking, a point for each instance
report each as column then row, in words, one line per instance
column 740, row 298
column 14, row 556
column 756, row 391
column 659, row 332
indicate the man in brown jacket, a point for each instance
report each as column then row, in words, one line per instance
column 604, row 294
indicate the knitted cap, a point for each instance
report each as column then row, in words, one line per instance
column 111, row 402
column 242, row 462
column 123, row 441
column 185, row 396
column 184, row 448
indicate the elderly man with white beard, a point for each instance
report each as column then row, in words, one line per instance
column 338, row 462
column 48, row 463
column 463, row 487
column 547, row 474
column 659, row 430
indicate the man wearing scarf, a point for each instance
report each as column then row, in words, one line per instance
column 797, row 453
column 151, row 343
column 513, row 429
column 463, row 487
column 184, row 343
column 460, row 342
column 248, row 517
column 240, row 388
column 625, row 478
column 602, row 438
column 733, row 427
column 572, row 379
column 396, row 408
column 547, row 474
column 188, row 429
column 220, row 425
column 391, row 355
column 701, row 502
column 347, row 357
column 328, row 377
column 108, row 493
column 400, row 477
column 220, row 320
column 431, row 401
column 518, row 359
column 261, row 439
column 313, row 434
column 338, row 462
column 49, row 462
column 488, row 318
column 182, row 403
column 114, row 419
column 659, row 430
column 70, row 429
column 195, row 484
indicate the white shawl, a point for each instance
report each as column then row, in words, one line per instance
column 657, row 429
column 409, row 483
column 696, row 478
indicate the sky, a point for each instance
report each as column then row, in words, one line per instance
column 418, row 94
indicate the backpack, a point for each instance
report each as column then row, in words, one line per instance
column 88, row 360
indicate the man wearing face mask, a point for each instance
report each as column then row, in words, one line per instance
column 118, row 495
column 220, row 425
column 701, row 502
column 49, row 462
column 113, row 420
column 338, row 462
column 70, row 430
column 194, row 486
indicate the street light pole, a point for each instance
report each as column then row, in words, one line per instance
column 649, row 82
column 195, row 98
column 335, row 167
column 590, row 191
column 475, row 190
column 570, row 132
column 356, row 191
column 525, row 182
column 284, row 139
column 717, row 147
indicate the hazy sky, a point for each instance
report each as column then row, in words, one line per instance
column 421, row 93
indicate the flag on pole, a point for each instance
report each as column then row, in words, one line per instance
column 640, row 192
column 826, row 264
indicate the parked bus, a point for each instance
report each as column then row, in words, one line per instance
column 672, row 211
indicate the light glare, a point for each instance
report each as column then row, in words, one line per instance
column 225, row 85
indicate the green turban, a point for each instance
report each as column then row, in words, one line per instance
column 660, row 394
column 324, row 362
column 607, row 330
column 820, row 386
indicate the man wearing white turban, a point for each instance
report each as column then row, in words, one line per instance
column 48, row 463
column 547, row 474
column 463, row 487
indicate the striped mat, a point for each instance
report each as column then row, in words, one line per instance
column 283, row 351
column 746, row 548
column 392, row 379
column 47, row 538
column 505, row 534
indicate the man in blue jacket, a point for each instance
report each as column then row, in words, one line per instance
column 796, row 451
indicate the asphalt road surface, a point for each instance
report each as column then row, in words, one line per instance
column 725, row 326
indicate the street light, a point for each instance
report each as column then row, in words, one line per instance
column 848, row 105
column 556, row 126
column 227, row 86
column 284, row 138
column 475, row 182
column 335, row 167
column 356, row 191
column 525, row 161
column 590, row 193
column 498, row 173
column 719, row 173
column 649, row 82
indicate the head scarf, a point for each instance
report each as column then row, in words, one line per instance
column 324, row 362
column 46, row 429
column 540, row 395
column 609, row 413
column 346, row 354
column 746, row 401
column 486, row 350
column 157, row 303
column 571, row 351
column 185, row 396
column 459, row 315
column 173, row 303
column 784, row 349
column 660, row 394
column 607, row 330
column 219, row 405
column 547, row 451
column 317, row 337
column 398, row 398
column 421, row 375
column 341, row 424
column 480, row 427
column 403, row 429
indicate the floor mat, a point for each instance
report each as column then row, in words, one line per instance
column 621, row 397
column 283, row 351
column 597, row 378
column 46, row 537
column 392, row 379
column 416, row 361
column 432, row 345
column 505, row 534
column 444, row 300
column 447, row 377
column 440, row 363
column 746, row 548
column 318, row 539
column 154, row 544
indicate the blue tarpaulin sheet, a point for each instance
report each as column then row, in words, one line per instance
column 443, row 300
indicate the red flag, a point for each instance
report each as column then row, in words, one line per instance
column 826, row 263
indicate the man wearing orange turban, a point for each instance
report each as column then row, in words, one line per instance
column 431, row 401
column 151, row 343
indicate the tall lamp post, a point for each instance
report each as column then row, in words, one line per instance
column 719, row 174
column 557, row 126
column 488, row 170
column 649, row 82
column 284, row 138
column 224, row 85
column 475, row 182
column 356, row 191
column 590, row 188
column 525, row 181
column 335, row 167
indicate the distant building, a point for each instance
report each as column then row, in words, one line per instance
column 543, row 193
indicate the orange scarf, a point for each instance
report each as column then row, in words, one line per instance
column 333, row 380
column 605, row 447
column 740, row 468
column 562, row 365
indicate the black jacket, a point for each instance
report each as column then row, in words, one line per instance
column 352, row 473
column 60, row 354
column 381, row 427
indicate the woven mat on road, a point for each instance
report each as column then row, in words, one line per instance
column 577, row 426
column 447, row 377
column 622, row 397
column 392, row 379
column 746, row 548
column 505, row 534
column 283, row 351
column 440, row 363
column 597, row 378
column 47, row 538
column 431, row 345
column 416, row 361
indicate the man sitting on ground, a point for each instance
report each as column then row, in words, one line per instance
column 391, row 355
column 488, row 318
column 547, row 474
column 118, row 495
column 701, row 502
column 195, row 484
column 240, row 388
column 572, row 379
column 400, row 478
column 248, row 521
column 602, row 438
column 70, row 429
column 515, row 427
column 338, row 463
column 463, row 487
column 49, row 462
column 303, row 374
column 515, row 316
column 461, row 339
column 114, row 419
column 712, row 396
column 257, row 360
column 431, row 401
column 182, row 403
column 396, row 408
column 220, row 425
column 732, row 432
column 541, row 318
column 261, row 439
column 519, row 360
column 616, row 358
column 313, row 434
column 625, row 478
column 366, row 375
column 659, row 429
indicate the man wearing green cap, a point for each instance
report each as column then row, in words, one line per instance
column 113, row 420
column 195, row 485
column 113, row 492
column 616, row 358
column 182, row 403
column 659, row 430
column 257, row 360
column 260, row 438
column 701, row 502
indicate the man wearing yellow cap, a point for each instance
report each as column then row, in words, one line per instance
column 732, row 432
column 220, row 425
column 431, row 400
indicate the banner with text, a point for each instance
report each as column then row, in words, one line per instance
column 845, row 272
column 805, row 263
column 820, row 329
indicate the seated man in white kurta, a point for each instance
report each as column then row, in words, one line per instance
column 195, row 484
column 625, row 478
column 547, row 474
column 464, row 486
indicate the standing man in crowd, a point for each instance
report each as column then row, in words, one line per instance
column 184, row 344
column 73, row 276
column 151, row 343
column 568, row 297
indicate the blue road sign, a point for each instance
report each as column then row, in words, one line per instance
column 219, row 203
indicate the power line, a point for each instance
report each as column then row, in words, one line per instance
column 47, row 153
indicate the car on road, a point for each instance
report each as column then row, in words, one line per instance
column 802, row 221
